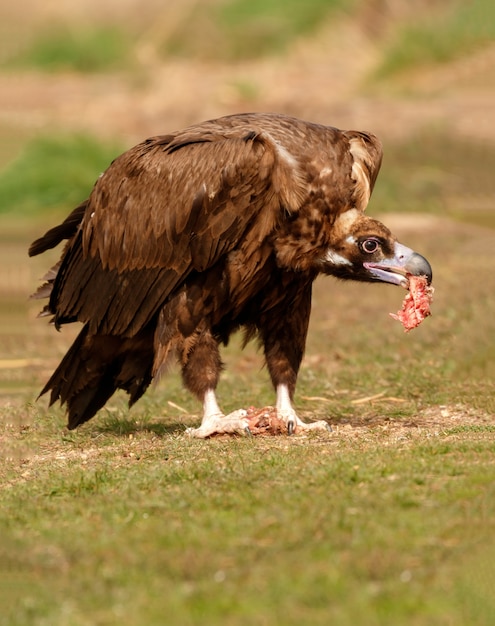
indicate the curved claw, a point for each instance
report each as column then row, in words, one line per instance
column 247, row 432
column 297, row 426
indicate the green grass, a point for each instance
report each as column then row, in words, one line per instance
column 246, row 532
column 221, row 31
column 439, row 37
column 52, row 172
column 437, row 172
column 80, row 50
column 247, row 29
column 236, row 30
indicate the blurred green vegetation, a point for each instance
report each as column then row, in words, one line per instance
column 236, row 30
column 439, row 36
column 437, row 172
column 247, row 29
column 53, row 172
column 226, row 31
column 82, row 50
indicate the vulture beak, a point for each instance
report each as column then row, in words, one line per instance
column 396, row 270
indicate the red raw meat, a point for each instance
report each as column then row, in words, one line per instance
column 416, row 305
column 265, row 421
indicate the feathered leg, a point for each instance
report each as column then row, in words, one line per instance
column 283, row 333
column 201, row 367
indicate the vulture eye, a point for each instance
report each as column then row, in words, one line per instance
column 369, row 245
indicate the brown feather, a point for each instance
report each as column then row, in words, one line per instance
column 65, row 230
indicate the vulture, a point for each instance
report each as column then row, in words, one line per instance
column 191, row 236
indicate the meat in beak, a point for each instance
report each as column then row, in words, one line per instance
column 404, row 263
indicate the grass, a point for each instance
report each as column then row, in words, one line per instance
column 81, row 50
column 52, row 172
column 438, row 173
column 221, row 31
column 249, row 29
column 389, row 520
column 244, row 29
column 246, row 532
column 260, row 28
column 439, row 37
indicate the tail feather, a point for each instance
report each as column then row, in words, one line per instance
column 95, row 367
column 65, row 230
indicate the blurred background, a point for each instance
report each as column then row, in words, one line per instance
column 82, row 81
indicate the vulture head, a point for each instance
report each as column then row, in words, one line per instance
column 363, row 249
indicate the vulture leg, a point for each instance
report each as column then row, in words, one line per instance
column 286, row 412
column 283, row 334
column 201, row 366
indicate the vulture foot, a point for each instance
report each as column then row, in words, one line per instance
column 295, row 425
column 234, row 423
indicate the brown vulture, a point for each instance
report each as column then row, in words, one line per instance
column 190, row 236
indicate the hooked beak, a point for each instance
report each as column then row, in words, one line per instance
column 404, row 263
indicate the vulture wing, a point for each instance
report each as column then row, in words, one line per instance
column 171, row 206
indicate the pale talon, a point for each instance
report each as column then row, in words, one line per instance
column 220, row 425
column 214, row 422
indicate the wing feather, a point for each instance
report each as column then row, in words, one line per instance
column 167, row 207
column 65, row 230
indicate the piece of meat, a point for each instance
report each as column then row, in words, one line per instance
column 416, row 305
column 265, row 421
